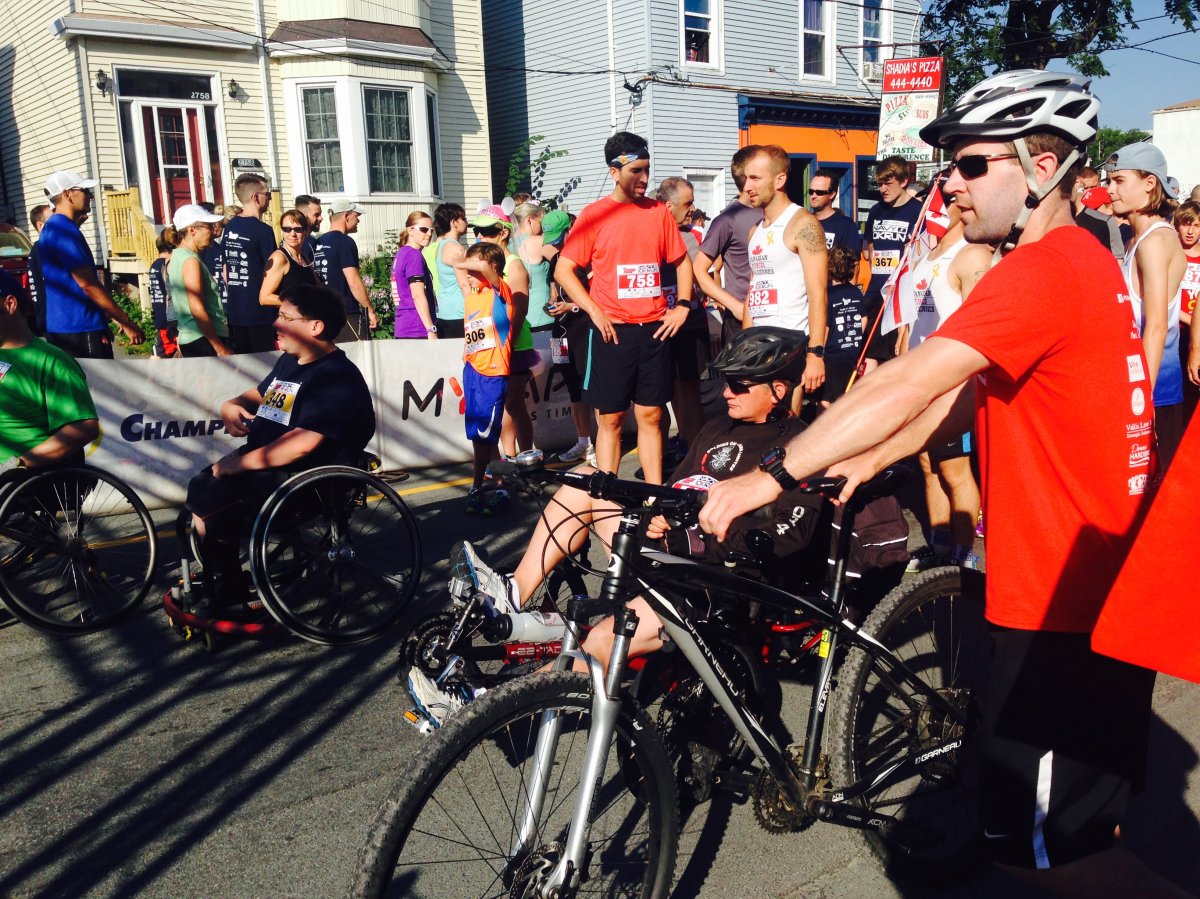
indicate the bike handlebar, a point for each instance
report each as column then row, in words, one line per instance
column 605, row 485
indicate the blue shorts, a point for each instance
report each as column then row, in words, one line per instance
column 484, row 395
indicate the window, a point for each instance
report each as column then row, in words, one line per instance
column 323, row 150
column 435, row 147
column 814, row 39
column 389, row 140
column 700, row 32
column 872, row 30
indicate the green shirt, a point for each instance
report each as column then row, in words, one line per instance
column 41, row 389
column 188, row 330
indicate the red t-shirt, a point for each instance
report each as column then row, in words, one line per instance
column 625, row 244
column 1064, row 420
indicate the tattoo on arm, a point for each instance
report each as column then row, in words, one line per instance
column 812, row 236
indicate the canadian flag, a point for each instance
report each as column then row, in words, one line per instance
column 900, row 299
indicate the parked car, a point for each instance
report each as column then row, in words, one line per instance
column 14, row 253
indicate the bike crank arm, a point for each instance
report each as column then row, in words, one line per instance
column 888, row 827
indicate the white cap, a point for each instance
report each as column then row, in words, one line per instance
column 343, row 206
column 60, row 181
column 191, row 214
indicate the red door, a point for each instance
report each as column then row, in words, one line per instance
column 175, row 158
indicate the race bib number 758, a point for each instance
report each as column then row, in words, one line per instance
column 638, row 282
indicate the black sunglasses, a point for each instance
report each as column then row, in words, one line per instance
column 975, row 165
column 487, row 232
column 738, row 388
column 819, row 193
column 290, row 229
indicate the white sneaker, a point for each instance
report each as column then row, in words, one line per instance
column 500, row 589
column 576, row 453
column 591, row 455
column 433, row 702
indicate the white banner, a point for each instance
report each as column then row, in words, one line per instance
column 160, row 422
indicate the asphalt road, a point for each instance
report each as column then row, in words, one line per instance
column 134, row 764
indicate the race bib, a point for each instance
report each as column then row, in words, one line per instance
column 671, row 295
column 638, row 282
column 763, row 301
column 1190, row 287
column 558, row 351
column 480, row 335
column 278, row 401
column 884, row 262
column 701, row 482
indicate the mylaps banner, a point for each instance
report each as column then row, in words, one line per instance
column 912, row 98
column 160, row 420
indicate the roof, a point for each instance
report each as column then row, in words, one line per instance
column 352, row 30
column 1186, row 104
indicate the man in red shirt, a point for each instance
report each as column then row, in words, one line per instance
column 1064, row 417
column 625, row 239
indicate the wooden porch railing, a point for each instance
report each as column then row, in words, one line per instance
column 130, row 232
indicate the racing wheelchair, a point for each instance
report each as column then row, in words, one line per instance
column 77, row 548
column 334, row 556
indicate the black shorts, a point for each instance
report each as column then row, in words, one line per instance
column 450, row 327
column 689, row 353
column 84, row 344
column 196, row 348
column 955, row 449
column 230, row 504
column 1064, row 736
column 837, row 379
column 252, row 338
column 636, row 369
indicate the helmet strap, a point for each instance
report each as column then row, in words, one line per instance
column 1037, row 192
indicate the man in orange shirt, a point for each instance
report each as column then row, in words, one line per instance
column 625, row 239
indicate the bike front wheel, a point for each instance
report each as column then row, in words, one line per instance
column 451, row 826
column 882, row 731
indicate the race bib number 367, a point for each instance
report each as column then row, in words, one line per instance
column 883, row 262
column 638, row 282
column 278, row 401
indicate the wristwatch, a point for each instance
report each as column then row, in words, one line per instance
column 432, row 329
column 772, row 463
column 818, row 351
column 686, row 304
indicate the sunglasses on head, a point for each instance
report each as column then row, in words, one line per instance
column 291, row 229
column 738, row 388
column 976, row 164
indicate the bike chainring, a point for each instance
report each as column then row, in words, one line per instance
column 774, row 808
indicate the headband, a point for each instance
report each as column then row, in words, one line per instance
column 624, row 159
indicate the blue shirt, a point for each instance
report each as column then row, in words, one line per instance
column 337, row 251
column 248, row 244
column 63, row 250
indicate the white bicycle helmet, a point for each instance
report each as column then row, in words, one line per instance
column 1011, row 105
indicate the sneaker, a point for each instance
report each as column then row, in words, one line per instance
column 979, row 525
column 591, row 455
column 577, row 453
column 971, row 560
column 475, row 500
column 925, row 558
column 500, row 589
column 495, row 501
column 432, row 701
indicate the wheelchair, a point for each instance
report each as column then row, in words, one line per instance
column 334, row 555
column 77, row 548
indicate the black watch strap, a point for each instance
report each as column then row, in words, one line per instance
column 772, row 463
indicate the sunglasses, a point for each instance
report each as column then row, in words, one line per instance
column 738, row 388
column 291, row 229
column 813, row 192
column 487, row 232
column 424, row 229
column 976, row 165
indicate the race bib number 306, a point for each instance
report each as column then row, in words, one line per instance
column 480, row 336
column 638, row 282
column 278, row 402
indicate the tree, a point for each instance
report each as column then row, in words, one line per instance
column 1109, row 140
column 978, row 37
column 522, row 170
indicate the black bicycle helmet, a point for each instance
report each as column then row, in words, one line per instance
column 763, row 353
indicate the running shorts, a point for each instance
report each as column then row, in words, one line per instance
column 637, row 369
column 484, row 396
column 955, row 449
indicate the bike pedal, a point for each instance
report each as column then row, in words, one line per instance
column 735, row 783
column 423, row 725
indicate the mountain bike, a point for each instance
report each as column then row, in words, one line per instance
column 560, row 784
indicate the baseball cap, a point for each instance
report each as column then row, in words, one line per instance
column 190, row 214
column 490, row 217
column 554, row 225
column 1145, row 157
column 341, row 206
column 11, row 287
column 1095, row 197
column 60, row 181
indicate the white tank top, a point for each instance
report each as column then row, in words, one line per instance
column 1127, row 269
column 936, row 299
column 778, row 295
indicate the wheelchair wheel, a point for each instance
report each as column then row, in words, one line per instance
column 335, row 555
column 77, row 550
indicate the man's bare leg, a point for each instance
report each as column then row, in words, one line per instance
column 608, row 440
column 964, row 500
column 649, row 441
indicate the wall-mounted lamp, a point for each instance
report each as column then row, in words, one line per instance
column 234, row 89
column 103, row 83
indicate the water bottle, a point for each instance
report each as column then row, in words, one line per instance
column 531, row 627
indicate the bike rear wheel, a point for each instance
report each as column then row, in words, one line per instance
column 448, row 827
column 935, row 625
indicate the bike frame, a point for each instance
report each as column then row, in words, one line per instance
column 665, row 581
